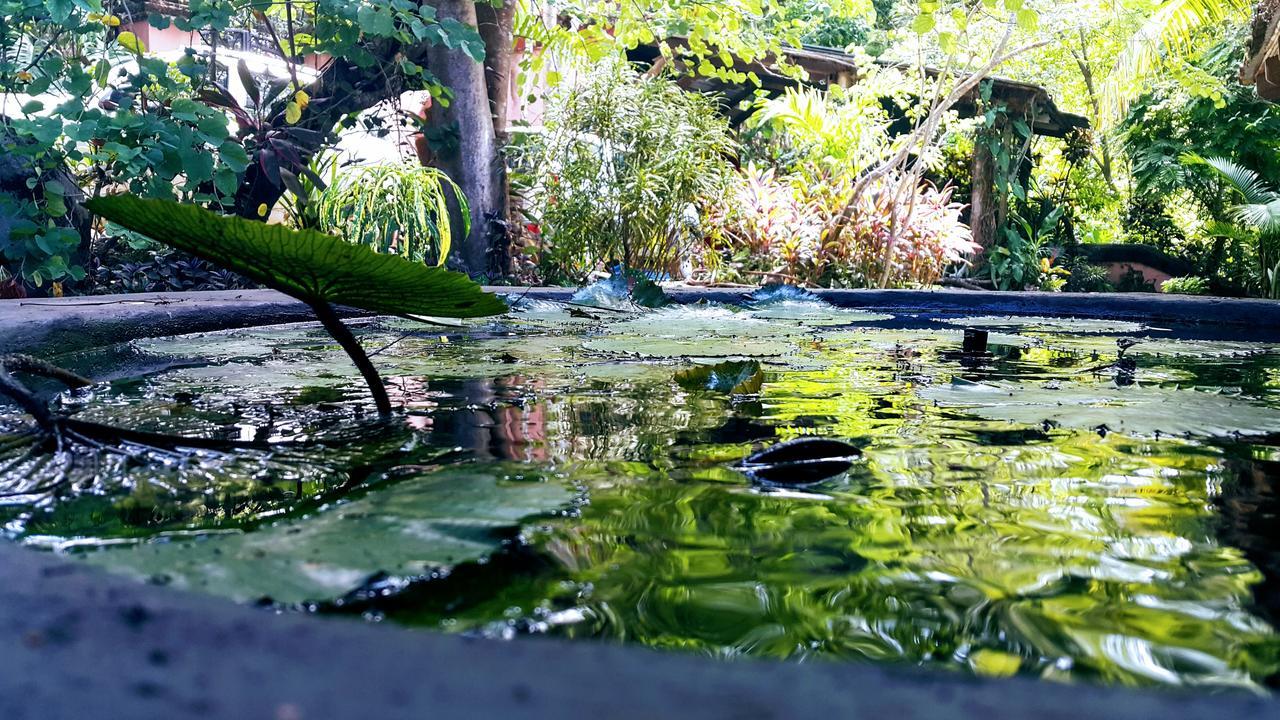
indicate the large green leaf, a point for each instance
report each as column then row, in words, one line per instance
column 405, row 530
column 306, row 264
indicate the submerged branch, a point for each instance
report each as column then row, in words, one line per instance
column 35, row 366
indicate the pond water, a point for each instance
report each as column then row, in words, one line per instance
column 1039, row 510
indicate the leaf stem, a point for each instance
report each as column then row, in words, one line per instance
column 340, row 332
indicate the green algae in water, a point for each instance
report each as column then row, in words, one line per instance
column 587, row 492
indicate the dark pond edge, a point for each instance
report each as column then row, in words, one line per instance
column 54, row 325
column 77, row 643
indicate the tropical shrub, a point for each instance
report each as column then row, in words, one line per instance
column 776, row 227
column 1022, row 257
column 397, row 209
column 89, row 109
column 622, row 169
column 162, row 271
column 1259, row 213
column 1189, row 285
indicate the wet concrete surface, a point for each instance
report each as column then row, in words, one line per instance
column 76, row 644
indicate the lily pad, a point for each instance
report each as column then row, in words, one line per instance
column 804, row 461
column 305, row 264
column 710, row 331
column 815, row 313
column 407, row 529
column 1132, row 410
column 731, row 378
column 1166, row 347
column 1053, row 324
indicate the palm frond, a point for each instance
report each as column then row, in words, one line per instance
column 1248, row 183
column 1168, row 33
column 1264, row 216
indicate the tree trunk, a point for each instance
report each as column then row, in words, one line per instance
column 472, row 159
column 497, row 29
column 983, row 205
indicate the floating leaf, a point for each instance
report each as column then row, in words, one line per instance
column 815, row 313
column 697, row 332
column 308, row 265
column 1133, row 410
column 801, row 462
column 1064, row 324
column 732, row 378
column 406, row 529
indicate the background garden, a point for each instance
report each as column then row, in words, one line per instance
column 1088, row 146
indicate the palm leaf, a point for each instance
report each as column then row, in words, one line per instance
column 1248, row 183
column 1261, row 206
column 306, row 264
column 1169, row 32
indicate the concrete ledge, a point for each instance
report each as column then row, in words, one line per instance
column 76, row 644
column 50, row 326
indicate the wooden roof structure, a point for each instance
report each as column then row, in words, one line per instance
column 827, row 67
column 1262, row 68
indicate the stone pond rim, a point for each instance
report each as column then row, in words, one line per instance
column 76, row 642
column 49, row 326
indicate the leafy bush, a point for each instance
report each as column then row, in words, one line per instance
column 775, row 226
column 1085, row 276
column 622, row 168
column 1022, row 258
column 397, row 209
column 1189, row 285
column 164, row 271
column 90, row 110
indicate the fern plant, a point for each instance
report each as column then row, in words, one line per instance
column 394, row 209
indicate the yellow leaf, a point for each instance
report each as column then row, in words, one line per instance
column 111, row 21
column 302, row 98
column 994, row 663
column 292, row 113
column 130, row 42
column 56, row 288
column 263, row 210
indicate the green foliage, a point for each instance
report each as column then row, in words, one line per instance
column 305, row 264
column 399, row 209
column 1085, row 277
column 1021, row 257
column 1189, row 285
column 1260, row 211
column 1168, row 35
column 622, row 168
column 91, row 105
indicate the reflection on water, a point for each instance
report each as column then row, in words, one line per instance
column 1040, row 548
